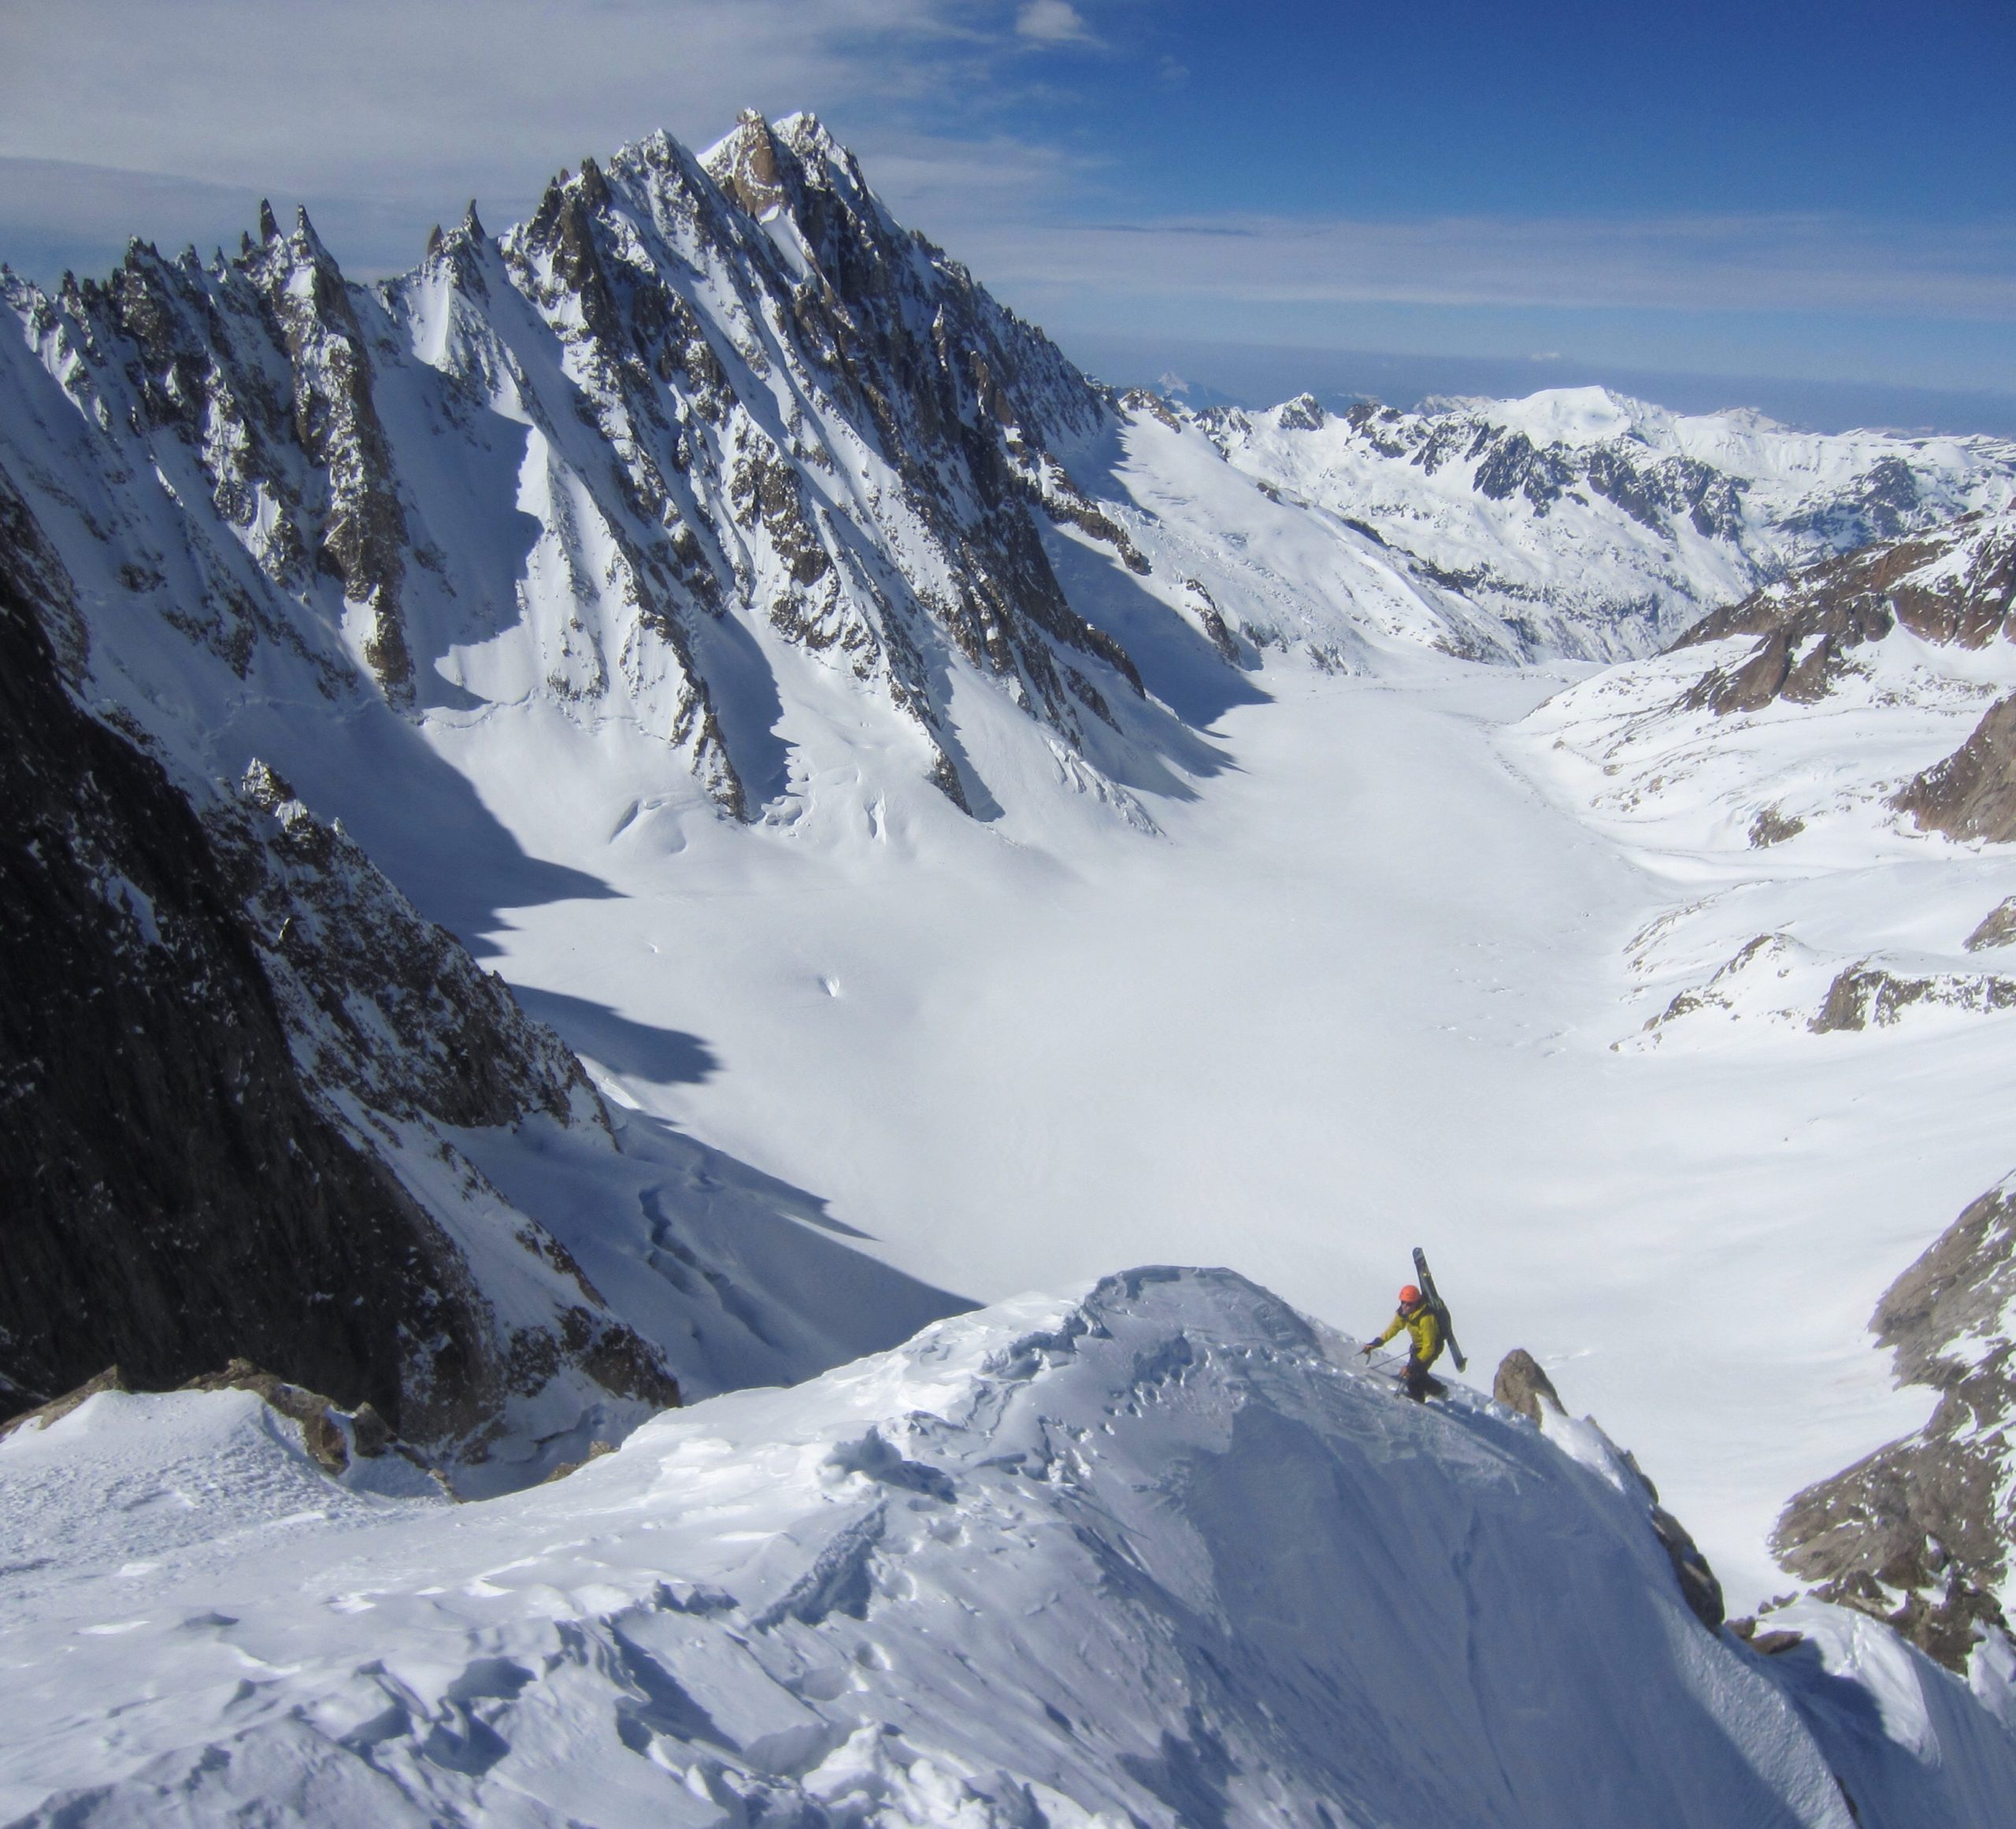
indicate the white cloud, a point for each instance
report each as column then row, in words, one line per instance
column 1052, row 22
column 170, row 118
column 1732, row 264
column 394, row 95
column 156, row 117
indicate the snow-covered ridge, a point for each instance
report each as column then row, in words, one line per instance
column 702, row 446
column 1591, row 524
column 1154, row 1554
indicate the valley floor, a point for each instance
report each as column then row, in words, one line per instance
column 1361, row 993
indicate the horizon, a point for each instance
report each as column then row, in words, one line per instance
column 1801, row 206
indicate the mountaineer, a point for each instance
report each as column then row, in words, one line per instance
column 1420, row 1315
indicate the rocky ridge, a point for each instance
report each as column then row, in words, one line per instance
column 1587, row 525
column 1955, row 584
column 1920, row 1533
column 216, row 1026
column 696, row 421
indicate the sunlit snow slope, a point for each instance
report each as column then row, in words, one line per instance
column 710, row 492
column 1579, row 521
column 1160, row 1555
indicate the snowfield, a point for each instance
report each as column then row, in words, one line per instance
column 1362, row 992
column 976, row 831
column 1159, row 1553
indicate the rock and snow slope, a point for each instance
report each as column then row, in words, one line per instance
column 1579, row 522
column 1826, row 766
column 708, row 491
column 248, row 1089
column 1156, row 1555
column 1815, row 748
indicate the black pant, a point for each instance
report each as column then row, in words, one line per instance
column 1414, row 1376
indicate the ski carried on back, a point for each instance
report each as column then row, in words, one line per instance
column 1441, row 1308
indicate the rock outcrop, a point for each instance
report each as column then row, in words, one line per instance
column 1521, row 1384
column 1956, row 583
column 1972, row 794
column 1920, row 1533
column 329, row 1434
column 1997, row 927
column 213, row 1027
column 1863, row 994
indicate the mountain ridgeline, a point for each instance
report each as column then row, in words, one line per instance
column 710, row 453
column 216, row 1025
column 687, row 398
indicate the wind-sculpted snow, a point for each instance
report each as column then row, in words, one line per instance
column 1154, row 1555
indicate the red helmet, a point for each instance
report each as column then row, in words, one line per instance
column 1409, row 1294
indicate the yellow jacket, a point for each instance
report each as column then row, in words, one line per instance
column 1423, row 1329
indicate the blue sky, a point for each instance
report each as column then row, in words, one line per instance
column 1816, row 194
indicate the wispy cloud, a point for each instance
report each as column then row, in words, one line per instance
column 169, row 118
column 385, row 113
column 1052, row 22
column 1774, row 263
column 379, row 94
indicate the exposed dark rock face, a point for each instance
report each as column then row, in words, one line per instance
column 1972, row 794
column 1699, row 1585
column 1521, row 1385
column 172, row 1196
column 1997, row 927
column 1920, row 1533
column 1956, row 583
column 185, row 1172
column 1865, row 994
column 1773, row 827
column 384, row 1005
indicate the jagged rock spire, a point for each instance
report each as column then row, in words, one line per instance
column 746, row 165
